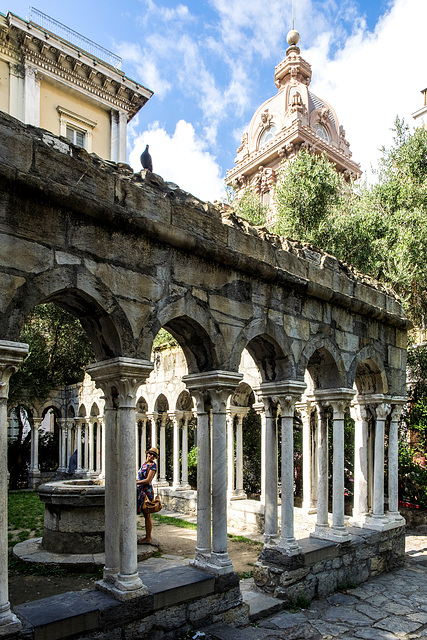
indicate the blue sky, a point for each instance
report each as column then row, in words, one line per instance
column 211, row 63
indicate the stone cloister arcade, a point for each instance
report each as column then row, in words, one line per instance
column 128, row 254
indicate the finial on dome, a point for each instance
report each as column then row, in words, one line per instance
column 292, row 37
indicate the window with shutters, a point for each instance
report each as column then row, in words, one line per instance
column 76, row 136
column 76, row 128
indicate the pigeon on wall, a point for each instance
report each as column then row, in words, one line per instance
column 146, row 160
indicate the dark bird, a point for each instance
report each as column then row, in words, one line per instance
column 146, row 160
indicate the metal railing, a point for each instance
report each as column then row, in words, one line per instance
column 48, row 23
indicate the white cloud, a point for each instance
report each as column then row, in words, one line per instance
column 374, row 76
column 180, row 158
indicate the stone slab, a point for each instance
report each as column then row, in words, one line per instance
column 260, row 604
column 180, row 584
column 59, row 616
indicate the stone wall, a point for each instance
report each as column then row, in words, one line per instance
column 321, row 566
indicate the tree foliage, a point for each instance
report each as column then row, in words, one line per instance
column 59, row 351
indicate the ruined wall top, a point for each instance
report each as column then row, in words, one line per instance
column 115, row 197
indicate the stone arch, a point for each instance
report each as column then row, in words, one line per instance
column 184, row 401
column 242, row 395
column 141, row 405
column 71, row 412
column 82, row 412
column 322, row 361
column 367, row 372
column 54, row 405
column 83, row 295
column 94, row 410
column 269, row 347
column 194, row 329
column 161, row 404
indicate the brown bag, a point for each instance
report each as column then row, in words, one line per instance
column 151, row 506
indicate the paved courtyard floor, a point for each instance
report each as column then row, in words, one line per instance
column 390, row 607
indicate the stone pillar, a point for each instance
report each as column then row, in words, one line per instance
column 322, row 524
column 239, row 493
column 393, row 463
column 184, row 470
column 287, row 402
column 31, row 95
column 98, row 445
column 230, row 454
column 79, row 445
column 102, row 422
column 62, row 424
column 162, row 473
column 16, row 91
column 153, row 417
column 11, row 356
column 118, row 121
column 119, row 379
column 90, row 447
column 86, row 455
column 260, row 409
column 360, row 498
column 204, row 505
column 339, row 402
column 143, row 443
column 34, row 472
column 382, row 410
column 175, row 418
column 307, row 496
column 219, row 385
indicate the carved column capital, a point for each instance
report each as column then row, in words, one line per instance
column 120, row 378
column 11, row 356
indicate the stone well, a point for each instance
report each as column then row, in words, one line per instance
column 73, row 516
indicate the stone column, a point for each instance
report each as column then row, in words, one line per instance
column 11, row 356
column 184, row 470
column 322, row 524
column 16, row 91
column 62, row 424
column 90, row 447
column 219, row 385
column 339, row 403
column 153, row 418
column 34, row 471
column 79, row 445
column 175, row 418
column 230, row 454
column 307, row 498
column 143, row 443
column 86, row 456
column 119, row 379
column 31, row 95
column 288, row 394
column 98, row 445
column 393, row 463
column 360, row 498
column 381, row 411
column 259, row 408
column 239, row 493
column 162, row 473
column 102, row 474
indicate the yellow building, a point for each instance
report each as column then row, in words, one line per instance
column 54, row 78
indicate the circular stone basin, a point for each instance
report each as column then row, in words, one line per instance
column 73, row 516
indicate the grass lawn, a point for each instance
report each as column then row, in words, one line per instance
column 25, row 513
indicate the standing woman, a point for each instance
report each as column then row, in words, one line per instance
column 144, row 488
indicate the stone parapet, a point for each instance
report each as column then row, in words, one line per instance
column 322, row 566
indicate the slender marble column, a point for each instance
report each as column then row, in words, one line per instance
column 120, row 378
column 271, row 475
column 204, row 505
column 393, row 463
column 307, row 502
column 360, row 498
column 338, row 526
column 62, row 425
column 11, row 356
column 259, row 408
column 239, row 456
column 153, row 417
column 176, row 475
column 79, row 445
column 98, row 445
column 112, row 493
column 143, row 442
column 322, row 470
column 218, row 385
column 184, row 476
column 31, row 95
column 162, row 473
column 86, row 441
column 219, row 397
column 34, row 471
column 70, row 450
column 90, row 446
column 382, row 410
column 230, row 454
column 287, row 538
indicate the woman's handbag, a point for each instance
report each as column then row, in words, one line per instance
column 151, row 506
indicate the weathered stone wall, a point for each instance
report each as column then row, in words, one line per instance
column 322, row 566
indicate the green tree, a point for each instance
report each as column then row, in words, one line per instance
column 59, row 351
column 309, row 190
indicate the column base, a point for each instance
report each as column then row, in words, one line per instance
column 271, row 539
column 34, row 478
column 184, row 486
column 334, row 534
column 395, row 516
column 161, row 483
column 309, row 509
column 123, row 595
column 238, row 495
column 9, row 622
column 381, row 523
column 289, row 546
column 216, row 563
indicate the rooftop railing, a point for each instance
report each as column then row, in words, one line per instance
column 48, row 23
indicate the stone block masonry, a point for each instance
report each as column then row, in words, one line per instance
column 321, row 566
